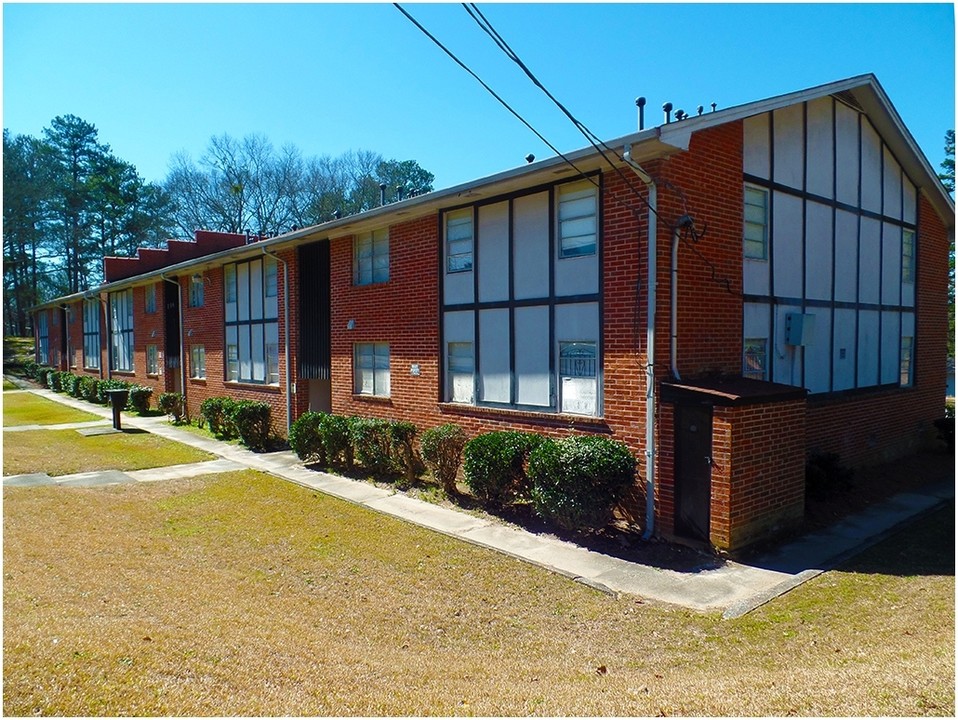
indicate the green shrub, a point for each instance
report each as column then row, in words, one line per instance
column 442, row 451
column 87, row 388
column 43, row 375
column 494, row 465
column 578, row 481
column 403, row 436
column 335, row 432
column 171, row 403
column 30, row 368
column 825, row 475
column 71, row 384
column 949, row 407
column 55, row 380
column 139, row 399
column 305, row 439
column 217, row 412
column 103, row 385
column 251, row 421
column 372, row 441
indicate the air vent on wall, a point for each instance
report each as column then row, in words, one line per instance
column 846, row 97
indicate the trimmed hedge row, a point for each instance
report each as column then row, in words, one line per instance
column 93, row 390
column 575, row 482
column 382, row 447
column 247, row 420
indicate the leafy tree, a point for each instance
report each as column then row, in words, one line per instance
column 25, row 186
column 947, row 177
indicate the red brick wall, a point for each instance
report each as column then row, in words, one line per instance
column 207, row 326
column 874, row 426
column 706, row 183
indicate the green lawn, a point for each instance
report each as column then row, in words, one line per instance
column 29, row 409
column 241, row 594
column 7, row 385
column 63, row 452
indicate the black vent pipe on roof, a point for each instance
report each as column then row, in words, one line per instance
column 667, row 109
column 640, row 104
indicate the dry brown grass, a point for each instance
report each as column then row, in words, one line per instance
column 62, row 452
column 242, row 594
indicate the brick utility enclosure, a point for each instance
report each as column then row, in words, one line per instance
column 810, row 239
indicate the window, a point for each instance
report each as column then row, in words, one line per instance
column 152, row 360
column 197, row 290
column 198, row 362
column 907, row 361
column 232, row 362
column 371, row 369
column 756, row 223
column 150, row 302
column 91, row 334
column 121, row 330
column 459, row 239
column 43, row 338
column 68, row 330
column 461, row 366
column 229, row 273
column 270, row 277
column 252, row 330
column 908, row 256
column 371, row 258
column 577, row 377
column 577, row 221
column 754, row 359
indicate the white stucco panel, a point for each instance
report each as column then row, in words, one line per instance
column 892, row 185
column 756, row 145
column 787, row 257
column 493, row 255
column 533, row 380
column 818, row 251
column 867, row 348
column 531, row 246
column 820, row 148
column 843, row 349
column 869, row 260
column 846, row 256
column 789, row 145
column 846, row 154
column 871, row 168
column 891, row 264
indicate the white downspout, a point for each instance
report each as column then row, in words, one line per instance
column 649, row 349
column 289, row 399
column 179, row 309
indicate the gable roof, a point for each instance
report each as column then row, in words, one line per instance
column 862, row 92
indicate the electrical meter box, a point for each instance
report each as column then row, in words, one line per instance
column 799, row 329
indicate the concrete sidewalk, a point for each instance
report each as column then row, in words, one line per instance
column 729, row 587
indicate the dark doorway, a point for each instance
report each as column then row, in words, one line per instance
column 171, row 334
column 693, row 470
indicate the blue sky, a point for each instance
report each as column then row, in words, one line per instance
column 327, row 78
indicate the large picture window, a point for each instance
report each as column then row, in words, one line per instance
column 91, row 334
column 43, row 338
column 252, row 329
column 121, row 330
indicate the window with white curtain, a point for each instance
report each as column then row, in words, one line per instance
column 371, row 369
column 121, row 330
column 91, row 334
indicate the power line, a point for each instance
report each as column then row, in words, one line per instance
column 476, row 14
column 492, row 92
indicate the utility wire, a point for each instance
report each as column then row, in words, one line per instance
column 492, row 92
column 600, row 146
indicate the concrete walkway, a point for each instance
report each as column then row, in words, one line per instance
column 729, row 587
